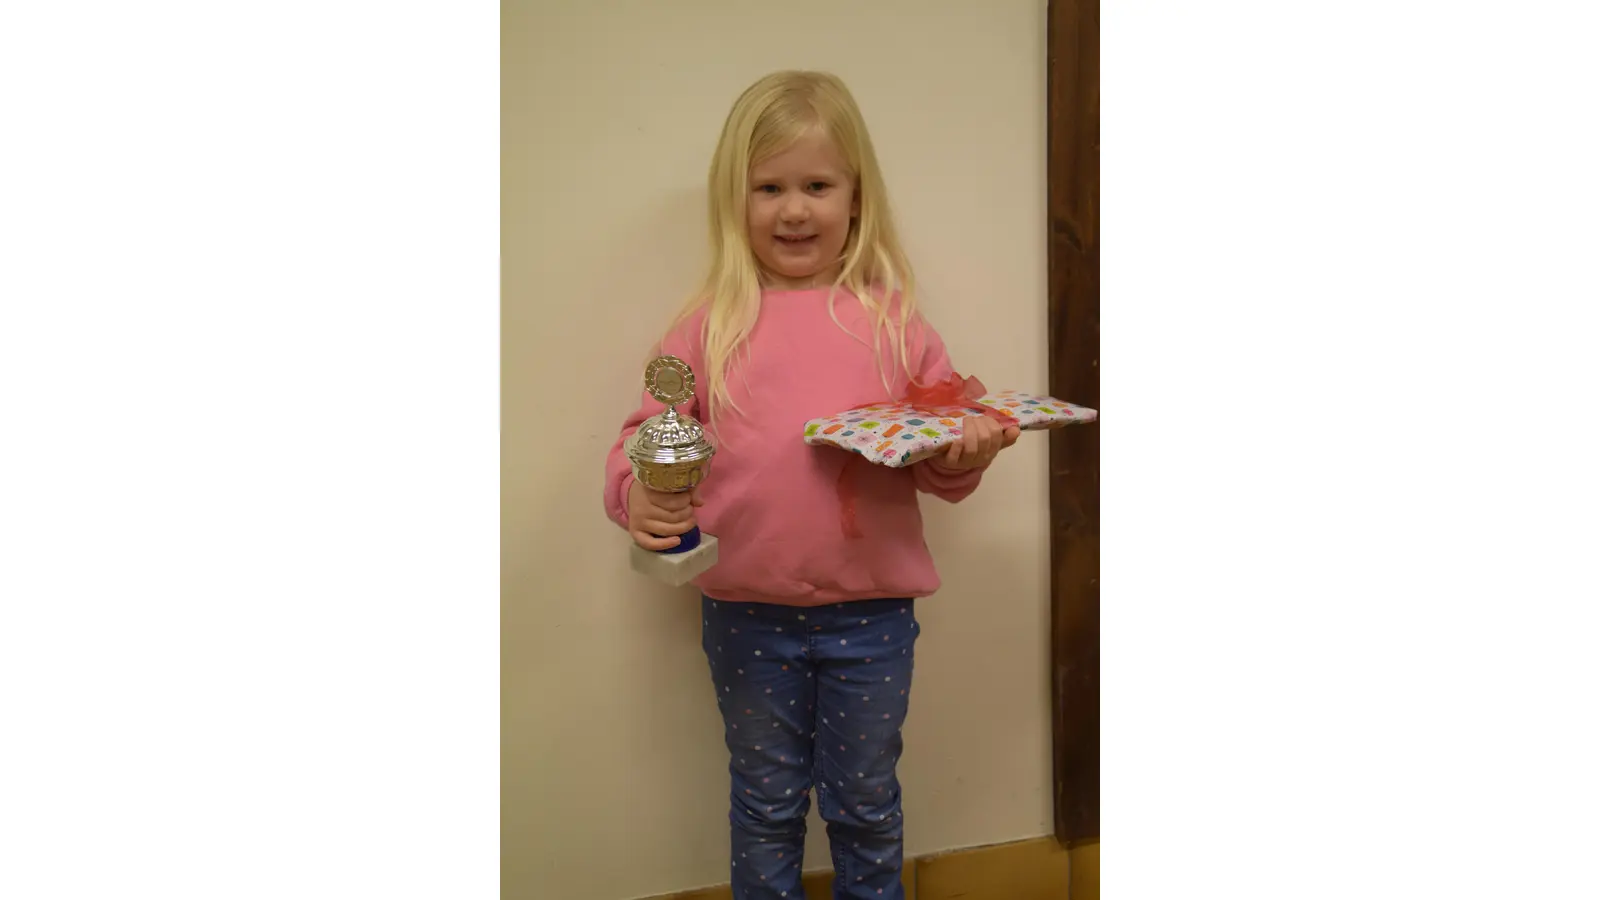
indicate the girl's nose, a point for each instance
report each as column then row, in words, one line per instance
column 794, row 209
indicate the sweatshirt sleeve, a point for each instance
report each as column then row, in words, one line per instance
column 931, row 476
column 683, row 342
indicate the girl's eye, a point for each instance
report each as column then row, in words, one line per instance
column 818, row 186
column 768, row 188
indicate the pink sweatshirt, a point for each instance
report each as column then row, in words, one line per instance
column 770, row 499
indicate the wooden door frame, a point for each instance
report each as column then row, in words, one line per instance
column 1073, row 179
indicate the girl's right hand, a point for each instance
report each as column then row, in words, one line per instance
column 652, row 512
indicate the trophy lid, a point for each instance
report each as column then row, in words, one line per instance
column 669, row 438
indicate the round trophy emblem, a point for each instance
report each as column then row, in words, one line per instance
column 669, row 380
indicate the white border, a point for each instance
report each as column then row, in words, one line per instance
column 249, row 509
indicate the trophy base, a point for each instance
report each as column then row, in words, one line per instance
column 676, row 569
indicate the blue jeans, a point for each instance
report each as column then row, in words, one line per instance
column 813, row 697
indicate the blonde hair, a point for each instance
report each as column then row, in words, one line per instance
column 767, row 118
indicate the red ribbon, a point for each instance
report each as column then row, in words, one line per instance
column 954, row 397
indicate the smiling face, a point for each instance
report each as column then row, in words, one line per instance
column 802, row 202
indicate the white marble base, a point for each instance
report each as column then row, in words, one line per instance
column 676, row 569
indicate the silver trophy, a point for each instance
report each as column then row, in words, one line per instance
column 670, row 453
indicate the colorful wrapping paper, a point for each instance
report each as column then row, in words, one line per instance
column 906, row 432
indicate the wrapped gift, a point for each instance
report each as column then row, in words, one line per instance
column 928, row 420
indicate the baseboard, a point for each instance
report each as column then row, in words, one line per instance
column 818, row 885
column 1036, row 869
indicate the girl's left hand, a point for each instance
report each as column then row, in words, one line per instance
column 982, row 439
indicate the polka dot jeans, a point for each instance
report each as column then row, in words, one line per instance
column 813, row 698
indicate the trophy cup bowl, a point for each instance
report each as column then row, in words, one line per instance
column 670, row 452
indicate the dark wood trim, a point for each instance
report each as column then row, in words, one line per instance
column 1074, row 324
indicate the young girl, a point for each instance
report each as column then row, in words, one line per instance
column 809, row 627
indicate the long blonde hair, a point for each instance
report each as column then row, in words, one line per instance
column 766, row 119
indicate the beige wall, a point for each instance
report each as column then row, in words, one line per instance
column 613, row 772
